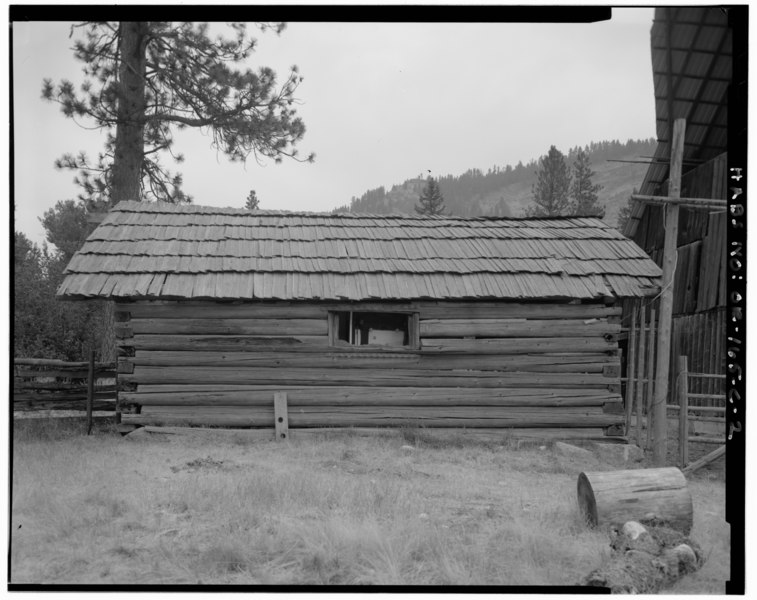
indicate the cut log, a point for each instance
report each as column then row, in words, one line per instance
column 614, row 497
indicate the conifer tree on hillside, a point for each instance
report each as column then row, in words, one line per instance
column 625, row 212
column 583, row 193
column 431, row 201
column 551, row 192
column 252, row 203
column 145, row 80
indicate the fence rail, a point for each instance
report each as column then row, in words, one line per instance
column 46, row 384
column 689, row 411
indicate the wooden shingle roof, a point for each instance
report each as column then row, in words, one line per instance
column 156, row 250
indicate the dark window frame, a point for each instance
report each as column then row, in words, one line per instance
column 413, row 330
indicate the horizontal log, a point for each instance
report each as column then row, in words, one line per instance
column 364, row 377
column 44, row 399
column 512, row 310
column 494, row 328
column 203, row 326
column 377, row 396
column 551, row 362
column 519, row 345
column 377, row 416
column 309, row 310
column 222, row 310
column 227, row 343
column 477, row 435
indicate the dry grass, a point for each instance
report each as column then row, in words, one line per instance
column 334, row 510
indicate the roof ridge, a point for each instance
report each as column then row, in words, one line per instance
column 169, row 208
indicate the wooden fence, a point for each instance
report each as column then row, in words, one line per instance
column 696, row 407
column 640, row 371
column 42, row 384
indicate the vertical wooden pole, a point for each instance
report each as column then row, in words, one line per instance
column 649, row 396
column 666, row 300
column 683, row 411
column 640, row 373
column 280, row 416
column 90, row 389
column 631, row 367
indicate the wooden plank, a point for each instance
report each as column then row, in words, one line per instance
column 63, row 374
column 347, row 376
column 705, row 460
column 493, row 328
column 379, row 396
column 202, row 326
column 61, row 365
column 281, row 417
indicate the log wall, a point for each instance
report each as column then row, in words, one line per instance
column 479, row 365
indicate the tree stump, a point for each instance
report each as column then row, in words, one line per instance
column 615, row 497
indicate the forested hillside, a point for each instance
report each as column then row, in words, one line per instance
column 506, row 190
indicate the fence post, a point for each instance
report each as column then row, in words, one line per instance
column 649, row 395
column 640, row 377
column 683, row 410
column 90, row 389
column 630, row 368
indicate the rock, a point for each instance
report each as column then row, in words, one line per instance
column 633, row 529
column 619, row 453
column 571, row 450
column 136, row 435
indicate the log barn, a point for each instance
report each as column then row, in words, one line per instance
column 363, row 320
column 692, row 64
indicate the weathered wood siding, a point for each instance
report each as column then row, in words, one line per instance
column 479, row 365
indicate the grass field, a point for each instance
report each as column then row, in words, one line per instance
column 333, row 510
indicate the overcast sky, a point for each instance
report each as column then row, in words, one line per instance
column 382, row 102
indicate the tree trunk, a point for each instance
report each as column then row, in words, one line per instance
column 129, row 146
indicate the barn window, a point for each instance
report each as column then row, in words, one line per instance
column 387, row 329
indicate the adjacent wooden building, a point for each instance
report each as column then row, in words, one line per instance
column 692, row 69
column 364, row 320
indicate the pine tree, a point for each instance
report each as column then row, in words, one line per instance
column 551, row 191
column 144, row 79
column 431, row 201
column 252, row 201
column 583, row 193
column 625, row 212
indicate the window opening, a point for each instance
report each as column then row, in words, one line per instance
column 371, row 328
